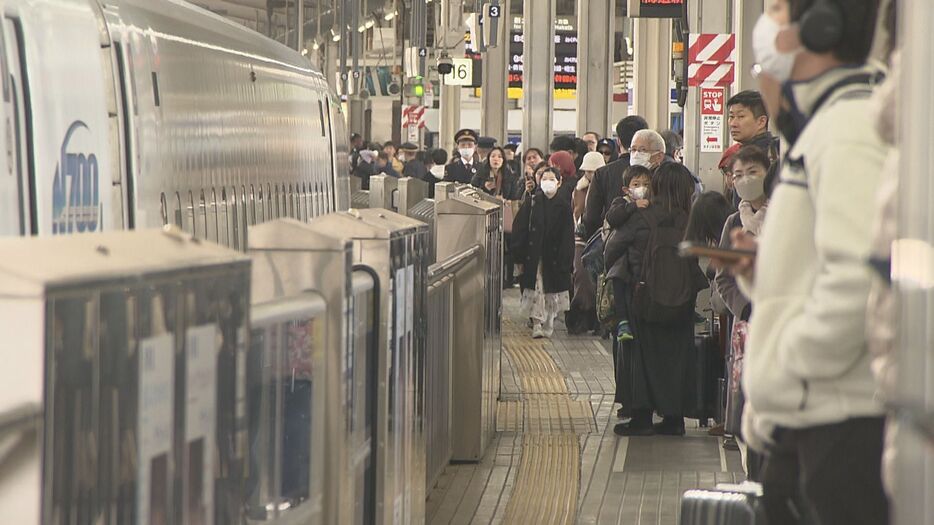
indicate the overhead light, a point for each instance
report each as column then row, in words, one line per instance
column 370, row 22
column 362, row 28
column 390, row 15
column 316, row 45
column 305, row 52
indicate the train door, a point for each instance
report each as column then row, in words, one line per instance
column 14, row 183
column 68, row 129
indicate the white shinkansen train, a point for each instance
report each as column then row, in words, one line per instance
column 137, row 113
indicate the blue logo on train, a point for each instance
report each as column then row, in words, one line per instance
column 76, row 203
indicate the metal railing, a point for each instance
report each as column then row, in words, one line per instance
column 438, row 370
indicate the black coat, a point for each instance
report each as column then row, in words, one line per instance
column 509, row 187
column 543, row 232
column 457, row 172
column 364, row 171
column 604, row 188
column 626, row 245
column 415, row 169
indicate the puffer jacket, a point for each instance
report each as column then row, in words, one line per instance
column 807, row 361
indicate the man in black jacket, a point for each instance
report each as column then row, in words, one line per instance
column 463, row 168
column 608, row 180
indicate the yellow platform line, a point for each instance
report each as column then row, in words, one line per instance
column 548, row 481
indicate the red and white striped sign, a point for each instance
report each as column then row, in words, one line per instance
column 413, row 116
column 711, row 59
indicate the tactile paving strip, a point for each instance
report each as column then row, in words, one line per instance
column 546, row 488
column 548, row 482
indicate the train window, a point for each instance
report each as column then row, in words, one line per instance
column 164, row 209
column 324, row 131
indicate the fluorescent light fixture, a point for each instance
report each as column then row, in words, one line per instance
column 316, row 45
column 390, row 15
column 369, row 23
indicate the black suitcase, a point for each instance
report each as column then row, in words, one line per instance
column 737, row 505
column 704, row 368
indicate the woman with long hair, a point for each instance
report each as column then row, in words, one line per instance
column 654, row 363
column 495, row 177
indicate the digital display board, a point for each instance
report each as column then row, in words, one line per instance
column 655, row 8
column 565, row 58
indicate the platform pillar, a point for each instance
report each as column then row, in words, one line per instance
column 596, row 25
column 493, row 97
column 652, row 70
column 745, row 16
column 538, row 73
column 705, row 17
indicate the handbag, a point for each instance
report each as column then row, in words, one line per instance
column 734, row 373
column 510, row 210
column 606, row 302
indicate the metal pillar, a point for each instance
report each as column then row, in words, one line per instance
column 711, row 16
column 913, row 258
column 493, row 98
column 745, row 15
column 538, row 76
column 450, row 103
column 596, row 25
column 652, row 70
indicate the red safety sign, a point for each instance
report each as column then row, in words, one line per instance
column 712, row 119
column 413, row 116
column 712, row 101
column 711, row 59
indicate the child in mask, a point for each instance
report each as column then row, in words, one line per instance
column 637, row 182
column 543, row 244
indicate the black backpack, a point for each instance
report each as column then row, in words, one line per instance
column 668, row 283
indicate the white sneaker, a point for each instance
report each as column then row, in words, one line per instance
column 548, row 328
column 537, row 332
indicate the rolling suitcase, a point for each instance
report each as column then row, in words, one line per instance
column 724, row 505
column 703, row 369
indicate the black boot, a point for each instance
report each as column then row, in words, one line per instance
column 639, row 425
column 670, row 426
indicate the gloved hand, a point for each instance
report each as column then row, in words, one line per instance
column 756, row 434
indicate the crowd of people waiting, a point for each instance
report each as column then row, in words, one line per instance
column 594, row 230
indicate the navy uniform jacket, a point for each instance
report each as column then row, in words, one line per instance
column 458, row 172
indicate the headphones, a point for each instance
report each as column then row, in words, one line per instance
column 821, row 26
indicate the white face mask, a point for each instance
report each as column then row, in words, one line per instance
column 466, row 153
column 749, row 188
column 550, row 187
column 638, row 193
column 641, row 158
column 773, row 62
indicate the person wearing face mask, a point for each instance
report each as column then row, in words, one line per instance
column 463, row 168
column 648, row 150
column 748, row 167
column 811, row 402
column 582, row 316
column 674, row 145
column 543, row 244
column 608, row 180
column 651, row 362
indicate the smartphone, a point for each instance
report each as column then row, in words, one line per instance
column 691, row 249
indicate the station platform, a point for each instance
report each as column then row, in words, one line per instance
column 555, row 458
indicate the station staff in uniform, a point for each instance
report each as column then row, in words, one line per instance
column 464, row 168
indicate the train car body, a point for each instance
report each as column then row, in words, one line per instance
column 138, row 113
